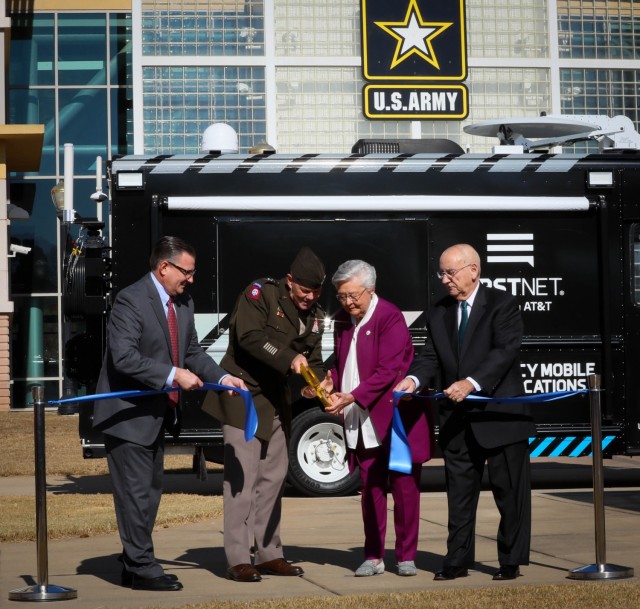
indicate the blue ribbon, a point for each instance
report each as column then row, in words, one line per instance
column 523, row 399
column 250, row 419
column 250, row 414
column 400, row 452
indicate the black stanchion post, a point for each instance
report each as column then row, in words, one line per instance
column 599, row 570
column 42, row 590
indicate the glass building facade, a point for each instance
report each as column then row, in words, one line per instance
column 290, row 70
column 70, row 72
column 283, row 71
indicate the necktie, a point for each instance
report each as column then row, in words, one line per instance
column 172, row 322
column 464, row 319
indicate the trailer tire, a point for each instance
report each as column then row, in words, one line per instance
column 317, row 456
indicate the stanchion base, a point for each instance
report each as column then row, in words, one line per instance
column 49, row 592
column 602, row 571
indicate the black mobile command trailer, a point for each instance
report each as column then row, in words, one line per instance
column 559, row 231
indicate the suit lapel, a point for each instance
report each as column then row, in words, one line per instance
column 444, row 332
column 451, row 324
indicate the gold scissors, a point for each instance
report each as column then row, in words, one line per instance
column 313, row 382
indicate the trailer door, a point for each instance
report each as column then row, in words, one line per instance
column 632, row 341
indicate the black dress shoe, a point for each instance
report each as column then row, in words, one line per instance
column 451, row 573
column 163, row 583
column 279, row 566
column 126, row 578
column 243, row 572
column 506, row 572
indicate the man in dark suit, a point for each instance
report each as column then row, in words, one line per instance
column 143, row 352
column 474, row 339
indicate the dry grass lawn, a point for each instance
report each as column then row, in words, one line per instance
column 92, row 514
column 63, row 452
column 603, row 595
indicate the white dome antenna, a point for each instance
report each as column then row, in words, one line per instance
column 221, row 138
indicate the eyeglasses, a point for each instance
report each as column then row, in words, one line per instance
column 186, row 273
column 451, row 273
column 343, row 298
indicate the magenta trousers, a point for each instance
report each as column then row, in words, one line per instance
column 405, row 489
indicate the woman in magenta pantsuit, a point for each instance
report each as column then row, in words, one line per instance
column 373, row 352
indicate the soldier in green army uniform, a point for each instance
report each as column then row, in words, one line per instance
column 276, row 327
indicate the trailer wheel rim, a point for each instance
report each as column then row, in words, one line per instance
column 321, row 453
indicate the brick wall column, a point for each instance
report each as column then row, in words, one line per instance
column 5, row 377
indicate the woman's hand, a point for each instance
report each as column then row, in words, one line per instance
column 327, row 383
column 339, row 401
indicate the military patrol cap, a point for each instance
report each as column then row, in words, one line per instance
column 307, row 269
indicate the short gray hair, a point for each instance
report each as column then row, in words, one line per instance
column 355, row 268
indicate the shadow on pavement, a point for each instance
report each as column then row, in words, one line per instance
column 624, row 500
column 107, row 567
column 183, row 482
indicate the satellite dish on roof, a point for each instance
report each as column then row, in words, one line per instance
column 541, row 126
column 554, row 130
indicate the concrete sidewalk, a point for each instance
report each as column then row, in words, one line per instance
column 324, row 536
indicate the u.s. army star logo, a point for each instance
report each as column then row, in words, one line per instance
column 414, row 35
column 413, row 40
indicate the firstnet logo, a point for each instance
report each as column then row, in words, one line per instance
column 510, row 248
column 536, row 294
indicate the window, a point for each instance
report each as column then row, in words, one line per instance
column 72, row 73
column 597, row 29
column 635, row 264
column 180, row 102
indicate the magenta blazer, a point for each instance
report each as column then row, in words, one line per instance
column 384, row 352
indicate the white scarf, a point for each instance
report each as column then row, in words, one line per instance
column 356, row 417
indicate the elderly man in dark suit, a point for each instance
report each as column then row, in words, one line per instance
column 151, row 344
column 474, row 339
